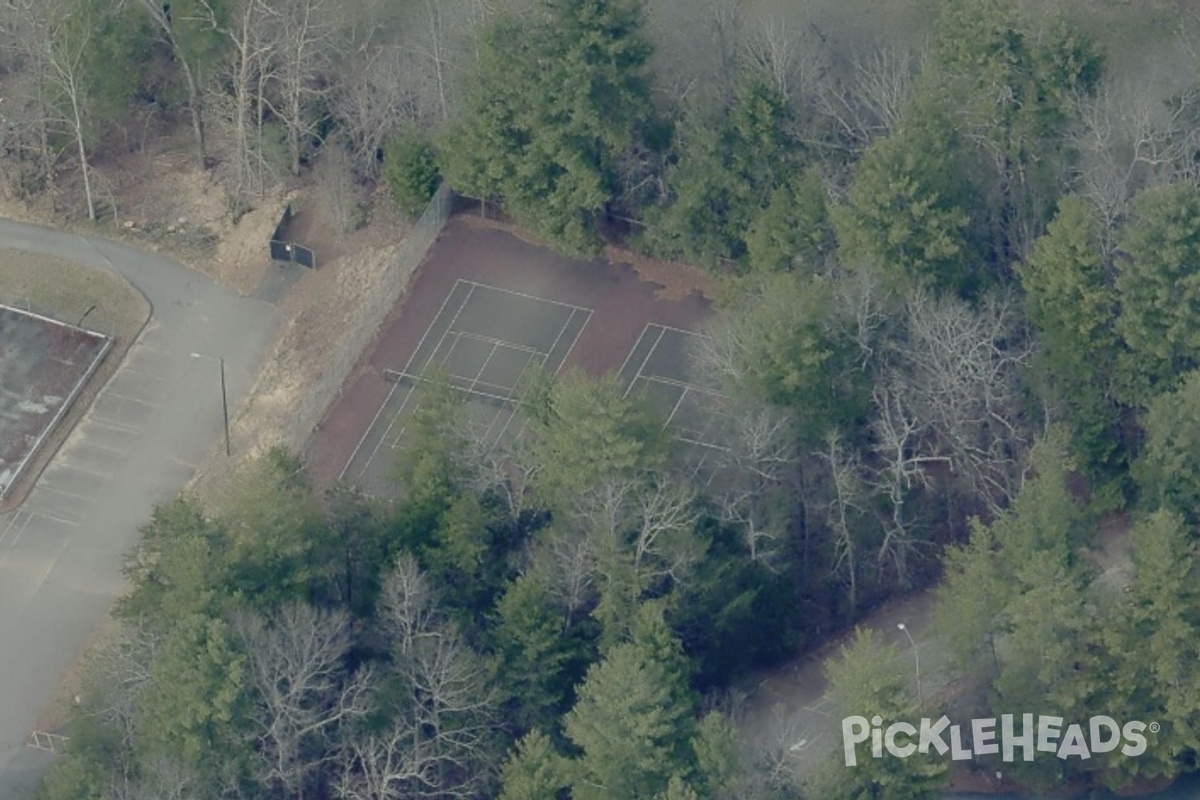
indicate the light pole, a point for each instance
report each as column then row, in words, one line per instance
column 917, row 656
column 224, row 397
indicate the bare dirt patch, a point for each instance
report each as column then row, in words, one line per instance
column 67, row 291
column 165, row 202
column 678, row 280
column 675, row 280
column 318, row 312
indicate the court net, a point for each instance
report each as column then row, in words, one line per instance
column 484, row 391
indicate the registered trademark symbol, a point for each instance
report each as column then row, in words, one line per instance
column 1155, row 727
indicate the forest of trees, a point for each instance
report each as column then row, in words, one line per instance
column 959, row 324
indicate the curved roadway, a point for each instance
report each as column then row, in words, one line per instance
column 139, row 443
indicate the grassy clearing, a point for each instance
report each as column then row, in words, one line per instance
column 65, row 291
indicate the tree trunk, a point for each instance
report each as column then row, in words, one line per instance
column 435, row 35
column 83, row 163
column 293, row 131
column 196, row 112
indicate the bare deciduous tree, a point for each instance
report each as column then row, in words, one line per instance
column 303, row 53
column 570, row 565
column 756, row 461
column 723, row 23
column 787, row 56
column 845, row 473
column 664, row 543
column 435, row 50
column 119, row 670
column 297, row 668
column 160, row 17
column 340, row 193
column 866, row 99
column 167, row 779
column 375, row 99
column 68, row 39
column 252, row 33
column 1132, row 135
column 382, row 766
column 437, row 741
column 866, row 305
column 883, row 84
column 954, row 389
column 407, row 604
column 501, row 466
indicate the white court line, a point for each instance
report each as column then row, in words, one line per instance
column 383, row 437
column 575, row 341
column 687, row 387
column 663, row 329
column 48, row 488
column 404, row 404
column 495, row 344
column 12, row 525
column 482, row 367
column 130, row 397
column 678, row 403
column 144, row 375
column 561, row 331
column 681, row 330
column 66, row 464
column 633, row 349
column 39, row 513
column 394, row 443
column 662, row 332
column 89, row 443
column 475, row 380
column 523, row 294
column 512, row 412
column 566, row 357
column 112, row 424
column 458, row 336
column 475, row 337
column 691, row 387
column 388, row 399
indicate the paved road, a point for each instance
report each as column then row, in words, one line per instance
column 793, row 711
column 61, row 550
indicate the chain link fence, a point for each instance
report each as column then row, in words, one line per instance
column 371, row 315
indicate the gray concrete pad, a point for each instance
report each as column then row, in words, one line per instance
column 278, row 280
column 88, row 457
column 108, row 408
column 147, row 362
column 116, row 440
column 12, row 528
column 140, row 387
column 57, row 505
column 73, row 481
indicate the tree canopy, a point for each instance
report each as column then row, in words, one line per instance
column 551, row 115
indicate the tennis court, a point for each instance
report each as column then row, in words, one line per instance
column 485, row 341
column 43, row 365
column 657, row 369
